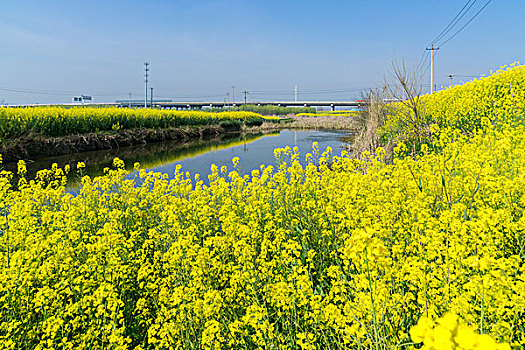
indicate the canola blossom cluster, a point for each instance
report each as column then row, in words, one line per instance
column 463, row 108
column 62, row 121
column 450, row 333
column 328, row 253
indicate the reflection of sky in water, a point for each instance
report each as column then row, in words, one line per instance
column 253, row 154
column 196, row 158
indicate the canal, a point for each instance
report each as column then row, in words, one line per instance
column 197, row 157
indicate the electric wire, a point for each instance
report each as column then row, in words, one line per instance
column 422, row 62
column 424, row 56
column 466, row 24
column 454, row 21
column 259, row 94
column 459, row 16
column 60, row 93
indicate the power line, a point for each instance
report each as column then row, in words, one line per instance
column 454, row 21
column 60, row 93
column 424, row 56
column 422, row 62
column 463, row 76
column 428, row 66
column 325, row 91
column 457, row 18
column 466, row 24
column 25, row 91
column 333, row 91
column 190, row 97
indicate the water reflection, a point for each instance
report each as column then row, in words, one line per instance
column 259, row 151
column 197, row 157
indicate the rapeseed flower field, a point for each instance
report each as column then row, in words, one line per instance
column 340, row 253
column 462, row 108
column 61, row 121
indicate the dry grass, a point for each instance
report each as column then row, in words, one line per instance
column 369, row 123
column 292, row 121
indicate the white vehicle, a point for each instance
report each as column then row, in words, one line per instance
column 82, row 98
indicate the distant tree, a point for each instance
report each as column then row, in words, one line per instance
column 405, row 86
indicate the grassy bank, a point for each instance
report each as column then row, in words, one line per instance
column 462, row 108
column 331, row 113
column 149, row 154
column 33, row 146
column 333, row 122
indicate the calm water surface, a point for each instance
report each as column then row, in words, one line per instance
column 252, row 150
column 259, row 151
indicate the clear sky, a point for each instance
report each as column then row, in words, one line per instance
column 55, row 49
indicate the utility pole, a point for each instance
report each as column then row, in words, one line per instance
column 245, row 93
column 146, row 70
column 432, row 49
column 151, row 97
column 130, row 100
column 228, row 98
column 233, row 95
column 295, row 92
column 450, row 76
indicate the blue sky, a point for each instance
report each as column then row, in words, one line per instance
column 199, row 49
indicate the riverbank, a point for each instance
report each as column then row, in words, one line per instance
column 26, row 133
column 316, row 123
column 34, row 146
column 148, row 155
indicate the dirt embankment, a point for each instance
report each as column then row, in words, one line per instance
column 318, row 123
column 33, row 146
